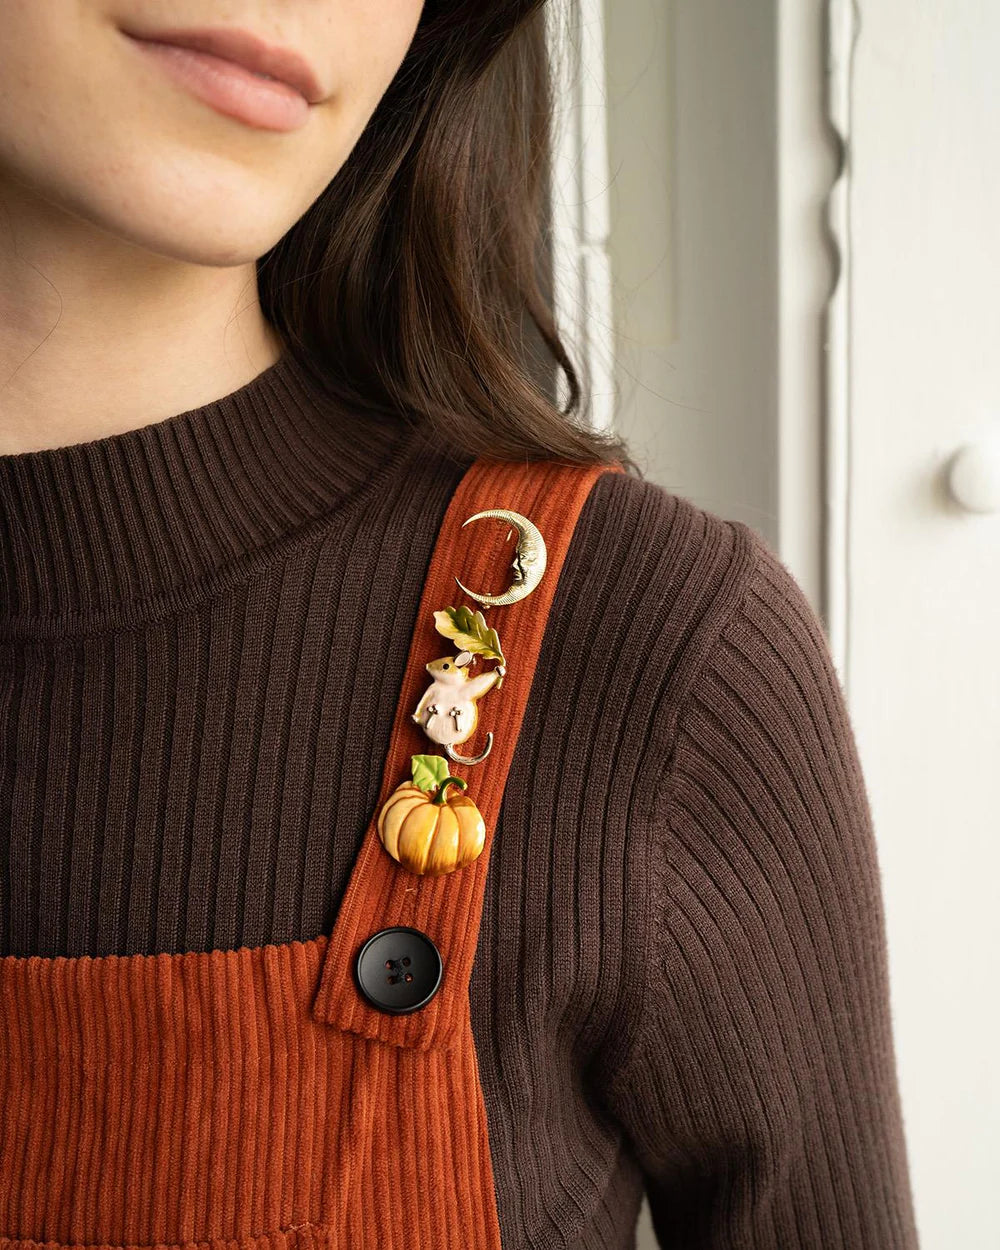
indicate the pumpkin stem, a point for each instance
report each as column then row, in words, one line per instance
column 439, row 797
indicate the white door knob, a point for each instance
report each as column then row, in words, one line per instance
column 974, row 476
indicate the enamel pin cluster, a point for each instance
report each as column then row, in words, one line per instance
column 429, row 823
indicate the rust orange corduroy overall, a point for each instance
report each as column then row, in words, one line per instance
column 253, row 1097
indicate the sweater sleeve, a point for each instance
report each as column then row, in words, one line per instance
column 760, row 1090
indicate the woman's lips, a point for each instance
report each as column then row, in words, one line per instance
column 229, row 88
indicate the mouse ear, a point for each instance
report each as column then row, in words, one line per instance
column 463, row 658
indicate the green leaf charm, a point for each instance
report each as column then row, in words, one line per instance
column 428, row 770
column 469, row 631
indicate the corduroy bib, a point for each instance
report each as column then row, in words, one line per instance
column 254, row 1098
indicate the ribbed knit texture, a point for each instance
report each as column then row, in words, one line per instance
column 680, row 980
column 181, row 1090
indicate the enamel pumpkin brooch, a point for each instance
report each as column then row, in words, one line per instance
column 426, row 829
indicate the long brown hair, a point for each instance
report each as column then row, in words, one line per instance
column 417, row 282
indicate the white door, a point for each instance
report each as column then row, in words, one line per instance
column 923, row 613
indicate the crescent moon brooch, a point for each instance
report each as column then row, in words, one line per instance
column 421, row 828
column 528, row 563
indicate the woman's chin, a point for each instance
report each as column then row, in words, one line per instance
column 171, row 208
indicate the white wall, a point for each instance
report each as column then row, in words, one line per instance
column 694, row 230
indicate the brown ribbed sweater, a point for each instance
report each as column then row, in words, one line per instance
column 680, row 984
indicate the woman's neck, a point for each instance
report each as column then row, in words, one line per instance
column 99, row 336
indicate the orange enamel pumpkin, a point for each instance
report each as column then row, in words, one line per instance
column 428, row 833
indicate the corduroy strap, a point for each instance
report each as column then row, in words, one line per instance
column 380, row 892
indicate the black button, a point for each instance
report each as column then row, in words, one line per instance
column 398, row 970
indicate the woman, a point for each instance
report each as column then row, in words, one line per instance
column 258, row 336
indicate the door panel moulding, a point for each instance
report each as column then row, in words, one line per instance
column 579, row 208
column 842, row 25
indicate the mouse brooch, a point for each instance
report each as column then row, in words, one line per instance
column 429, row 823
column 448, row 711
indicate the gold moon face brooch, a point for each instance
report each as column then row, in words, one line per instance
column 528, row 563
column 426, row 828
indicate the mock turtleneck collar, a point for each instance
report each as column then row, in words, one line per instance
column 101, row 529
